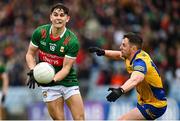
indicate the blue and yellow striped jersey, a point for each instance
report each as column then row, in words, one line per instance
column 150, row 90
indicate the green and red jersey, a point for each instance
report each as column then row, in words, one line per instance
column 53, row 50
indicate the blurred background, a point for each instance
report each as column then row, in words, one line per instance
column 99, row 23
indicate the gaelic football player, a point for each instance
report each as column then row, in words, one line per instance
column 57, row 45
column 144, row 77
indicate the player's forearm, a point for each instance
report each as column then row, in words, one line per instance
column 67, row 65
column 135, row 79
column 113, row 54
column 30, row 59
column 61, row 74
column 128, row 85
column 30, row 56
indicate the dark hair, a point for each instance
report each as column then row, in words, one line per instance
column 134, row 39
column 60, row 6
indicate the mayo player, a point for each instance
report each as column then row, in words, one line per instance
column 57, row 45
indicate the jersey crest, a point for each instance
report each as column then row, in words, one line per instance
column 66, row 41
column 62, row 49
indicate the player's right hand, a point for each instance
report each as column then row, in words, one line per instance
column 98, row 51
column 31, row 80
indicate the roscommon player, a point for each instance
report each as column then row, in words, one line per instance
column 58, row 46
column 144, row 77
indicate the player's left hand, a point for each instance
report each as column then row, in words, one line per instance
column 115, row 94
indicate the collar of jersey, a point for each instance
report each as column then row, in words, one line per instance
column 57, row 38
column 138, row 51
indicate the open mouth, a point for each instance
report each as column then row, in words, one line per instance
column 58, row 22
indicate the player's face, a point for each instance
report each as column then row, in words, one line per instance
column 59, row 18
column 125, row 48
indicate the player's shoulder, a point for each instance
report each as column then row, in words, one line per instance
column 71, row 35
column 42, row 29
column 45, row 26
column 144, row 56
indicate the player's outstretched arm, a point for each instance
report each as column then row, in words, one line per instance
column 113, row 54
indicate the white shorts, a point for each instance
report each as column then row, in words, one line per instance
column 54, row 92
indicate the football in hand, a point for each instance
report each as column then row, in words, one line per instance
column 44, row 72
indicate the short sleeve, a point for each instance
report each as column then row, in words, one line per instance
column 139, row 65
column 73, row 48
column 35, row 37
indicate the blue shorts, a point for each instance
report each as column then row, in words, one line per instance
column 150, row 112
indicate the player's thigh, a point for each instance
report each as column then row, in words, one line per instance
column 75, row 104
column 56, row 108
column 134, row 114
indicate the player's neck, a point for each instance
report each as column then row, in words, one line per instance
column 56, row 32
column 131, row 55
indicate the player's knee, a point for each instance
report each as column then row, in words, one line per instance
column 57, row 117
column 79, row 117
